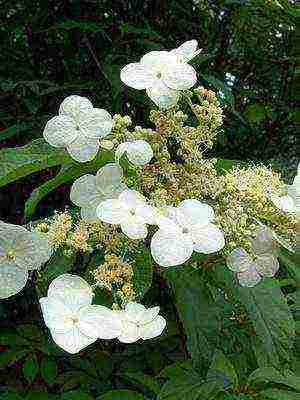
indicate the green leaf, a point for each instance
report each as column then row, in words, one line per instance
column 15, row 163
column 71, row 379
column 147, row 381
column 49, row 369
column 222, row 368
column 31, row 367
column 33, row 395
column 190, row 387
column 11, row 396
column 143, row 272
column 68, row 172
column 291, row 262
column 269, row 374
column 9, row 357
column 225, row 164
column 198, row 311
column 12, row 339
column 76, row 395
column 122, row 394
column 177, row 369
column 255, row 113
column 277, row 394
column 30, row 332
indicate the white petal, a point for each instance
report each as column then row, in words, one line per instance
column 162, row 95
column 112, row 211
column 83, row 149
column 132, row 198
column 99, row 322
column 132, row 228
column 89, row 214
column 186, row 51
column 134, row 312
column 72, row 341
column 180, row 77
column 130, row 332
column 73, row 290
column 169, row 249
column 12, row 279
column 57, row 315
column 249, row 278
column 154, row 328
column 60, row 131
column 208, row 239
column 96, row 123
column 284, row 203
column 239, row 260
column 263, row 241
column 157, row 61
column 267, row 265
column 109, row 180
column 74, row 106
column 195, row 212
column 84, row 191
column 137, row 76
column 139, row 152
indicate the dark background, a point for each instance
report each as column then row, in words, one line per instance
column 52, row 49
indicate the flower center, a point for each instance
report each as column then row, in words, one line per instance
column 132, row 212
column 159, row 75
column 74, row 319
column 10, row 254
column 185, row 230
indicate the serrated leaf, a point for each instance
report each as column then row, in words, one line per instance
column 16, row 163
column 197, row 310
column 277, row 394
column 190, row 388
column 30, row 367
column 222, row 368
column 123, row 394
column 143, row 272
column 269, row 374
column 49, row 369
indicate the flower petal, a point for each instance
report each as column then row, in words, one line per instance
column 139, row 152
column 162, row 95
column 83, row 149
column 134, row 312
column 187, row 51
column 96, row 123
column 195, row 212
column 154, row 328
column 84, row 191
column 99, row 322
column 263, row 241
column 249, row 278
column 89, row 213
column 109, row 180
column 180, row 76
column 208, row 239
column 132, row 228
column 169, row 249
column 72, row 341
column 12, row 279
column 130, row 331
column 267, row 265
column 112, row 211
column 56, row 314
column 137, row 76
column 60, row 131
column 74, row 105
column 239, row 260
column 284, row 203
column 72, row 290
column 157, row 61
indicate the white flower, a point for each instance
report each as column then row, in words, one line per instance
column 187, row 51
column 162, row 74
column 20, row 251
column 183, row 230
column 79, row 127
column 130, row 211
column 89, row 191
column 140, row 323
column 139, row 152
column 73, row 321
column 250, row 270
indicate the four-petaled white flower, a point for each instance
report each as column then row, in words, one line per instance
column 20, row 252
column 187, row 51
column 185, row 229
column 79, row 128
column 139, row 152
column 163, row 74
column 140, row 323
column 291, row 201
column 251, row 269
column 73, row 321
column 89, row 191
column 130, row 211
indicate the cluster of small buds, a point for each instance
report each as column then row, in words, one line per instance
column 120, row 127
column 79, row 239
column 59, row 229
column 115, row 274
